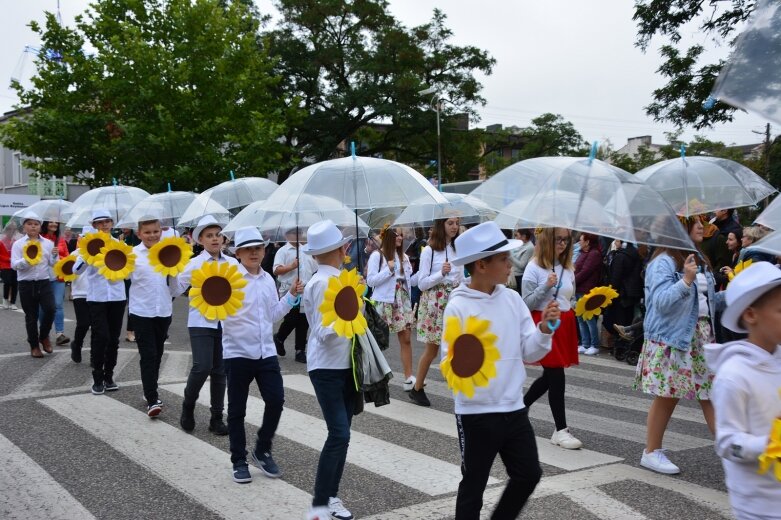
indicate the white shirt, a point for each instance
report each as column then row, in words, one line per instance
column 250, row 332
column 382, row 280
column 194, row 317
column 99, row 288
column 430, row 272
column 40, row 271
column 150, row 292
column 325, row 349
column 168, row 233
column 79, row 284
column 702, row 295
column 306, row 265
column 537, row 295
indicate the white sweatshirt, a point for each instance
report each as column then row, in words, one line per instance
column 518, row 340
column 746, row 401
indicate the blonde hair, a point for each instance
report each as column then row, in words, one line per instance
column 545, row 251
column 754, row 232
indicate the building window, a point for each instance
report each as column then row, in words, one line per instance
column 16, row 169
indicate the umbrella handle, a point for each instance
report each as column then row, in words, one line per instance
column 553, row 325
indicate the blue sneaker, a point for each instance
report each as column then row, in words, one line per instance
column 241, row 472
column 265, row 462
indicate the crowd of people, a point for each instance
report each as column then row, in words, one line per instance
column 477, row 279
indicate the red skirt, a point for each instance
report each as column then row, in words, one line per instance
column 565, row 342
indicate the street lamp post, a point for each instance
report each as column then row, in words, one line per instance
column 435, row 96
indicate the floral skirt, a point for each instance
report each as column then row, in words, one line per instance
column 398, row 315
column 431, row 311
column 668, row 372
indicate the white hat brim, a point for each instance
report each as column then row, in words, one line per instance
column 730, row 318
column 198, row 230
column 468, row 259
column 308, row 251
column 249, row 244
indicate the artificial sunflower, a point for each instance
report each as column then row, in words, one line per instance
column 63, row 269
column 91, row 244
column 772, row 454
column 33, row 252
column 592, row 303
column 471, row 354
column 169, row 257
column 342, row 304
column 116, row 260
column 215, row 290
column 739, row 268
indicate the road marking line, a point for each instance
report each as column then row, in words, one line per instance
column 124, row 357
column 606, row 361
column 54, row 364
column 175, row 367
column 589, row 375
column 602, row 505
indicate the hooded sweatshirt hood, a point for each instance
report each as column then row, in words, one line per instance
column 717, row 355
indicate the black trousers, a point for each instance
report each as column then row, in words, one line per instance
column 554, row 382
column 10, row 285
column 106, row 324
column 206, row 344
column 150, row 339
column 481, row 437
column 294, row 320
column 35, row 294
column 81, row 308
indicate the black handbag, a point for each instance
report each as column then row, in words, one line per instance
column 377, row 325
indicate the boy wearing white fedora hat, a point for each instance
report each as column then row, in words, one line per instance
column 488, row 335
column 35, row 290
column 328, row 363
column 250, row 355
column 746, row 389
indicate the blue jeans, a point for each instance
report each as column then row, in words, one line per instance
column 58, row 290
column 336, row 394
column 589, row 331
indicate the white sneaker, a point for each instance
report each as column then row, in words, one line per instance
column 657, row 461
column 581, row 349
column 337, row 510
column 591, row 351
column 14, row 307
column 409, row 384
column 318, row 513
column 566, row 440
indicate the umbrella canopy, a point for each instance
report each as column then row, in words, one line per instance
column 771, row 216
column 116, row 199
column 469, row 210
column 168, row 206
column 751, row 79
column 199, row 209
column 769, row 244
column 50, row 210
column 696, row 185
column 583, row 194
column 227, row 199
column 275, row 221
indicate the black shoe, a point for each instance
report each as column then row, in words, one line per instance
column 241, row 472
column 217, row 426
column 75, row 354
column 98, row 389
column 187, row 420
column 265, row 462
column 301, row 356
column 280, row 346
column 153, row 410
column 419, row 397
column 110, row 385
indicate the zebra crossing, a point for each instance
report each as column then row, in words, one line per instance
column 403, row 461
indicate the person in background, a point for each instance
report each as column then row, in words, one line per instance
column 7, row 274
column 50, row 231
column 625, row 275
column 520, row 257
column 724, row 220
column 80, row 308
column 751, row 235
column 588, row 275
column 413, row 252
column 735, row 246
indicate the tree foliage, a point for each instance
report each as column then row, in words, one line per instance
column 151, row 91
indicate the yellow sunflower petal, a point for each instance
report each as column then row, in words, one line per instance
column 329, row 317
column 195, row 300
column 481, row 379
column 338, row 327
column 467, row 387
column 475, row 326
column 452, row 331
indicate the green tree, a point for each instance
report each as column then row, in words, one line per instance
column 351, row 66
column 168, row 90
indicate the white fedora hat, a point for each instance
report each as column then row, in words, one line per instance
column 483, row 240
column 745, row 289
column 322, row 237
column 101, row 214
column 247, row 237
column 205, row 222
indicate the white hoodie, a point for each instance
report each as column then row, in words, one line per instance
column 745, row 397
column 518, row 340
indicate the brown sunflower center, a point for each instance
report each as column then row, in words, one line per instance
column 32, row 251
column 346, row 304
column 115, row 260
column 468, row 355
column 595, row 302
column 67, row 267
column 216, row 291
column 94, row 246
column 170, row 255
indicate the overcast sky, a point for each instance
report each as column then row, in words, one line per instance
column 569, row 57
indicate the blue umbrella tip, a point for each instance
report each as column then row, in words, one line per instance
column 709, row 103
column 352, row 149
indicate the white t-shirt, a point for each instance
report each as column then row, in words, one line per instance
column 306, row 267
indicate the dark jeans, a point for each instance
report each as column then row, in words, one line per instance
column 481, row 437
column 150, row 339
column 10, row 285
column 335, row 391
column 588, row 330
column 81, row 308
column 552, row 381
column 266, row 373
column 106, row 323
column 206, row 345
column 294, row 320
column 34, row 294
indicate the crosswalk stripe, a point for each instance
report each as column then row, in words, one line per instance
column 28, row 491
column 445, row 424
column 602, row 505
column 194, row 467
column 589, row 375
column 41, row 377
column 606, row 361
column 175, row 367
column 418, row 471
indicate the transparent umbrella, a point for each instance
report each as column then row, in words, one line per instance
column 168, row 206
column 227, row 197
column 769, row 244
column 200, row 208
column 771, row 216
column 50, row 210
column 116, row 199
column 468, row 209
column 696, row 185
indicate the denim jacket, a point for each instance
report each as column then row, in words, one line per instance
column 671, row 306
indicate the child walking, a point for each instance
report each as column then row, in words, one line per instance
column 250, row 355
column 80, row 308
column 746, row 390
